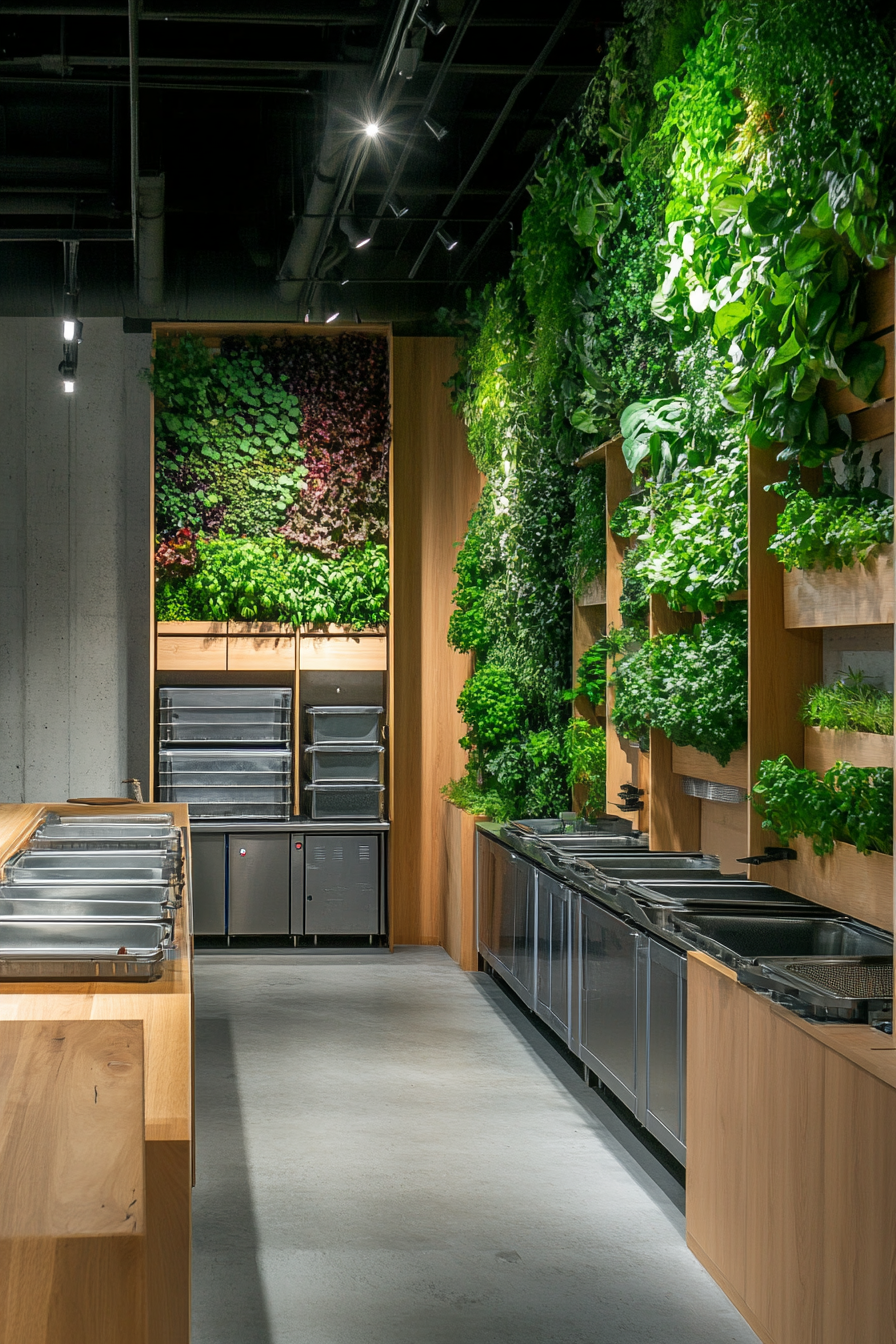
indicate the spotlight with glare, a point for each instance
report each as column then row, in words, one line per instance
column 436, row 127
column 71, row 330
column 372, row 129
column 331, row 306
column 446, row 240
column 68, row 385
column 354, row 232
column 397, row 206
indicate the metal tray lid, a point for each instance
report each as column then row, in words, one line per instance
column 345, row 786
column 110, row 819
column 344, row 709
column 340, row 748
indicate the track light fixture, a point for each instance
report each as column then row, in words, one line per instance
column 434, row 25
column 71, row 327
column 354, row 231
column 436, row 127
column 397, row 206
column 446, row 240
column 331, row 303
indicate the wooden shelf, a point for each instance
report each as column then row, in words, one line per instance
column 856, row 884
column 599, row 454
column 595, row 595
column 824, row 748
column 700, row 765
column 822, row 598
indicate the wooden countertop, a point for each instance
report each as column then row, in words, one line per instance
column 871, row 1050
column 164, row 1006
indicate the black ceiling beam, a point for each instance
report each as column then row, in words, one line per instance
column 341, row 19
column 57, row 64
column 66, row 236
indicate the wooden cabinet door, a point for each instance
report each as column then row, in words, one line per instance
column 785, row 1175
column 718, row 1066
column 859, row 1226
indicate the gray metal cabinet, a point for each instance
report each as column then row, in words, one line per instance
column 258, row 888
column 553, row 960
column 507, row 930
column 611, row 954
column 666, row 1044
column 341, row 888
column 208, row 863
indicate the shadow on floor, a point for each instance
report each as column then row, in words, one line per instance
column 228, row 1304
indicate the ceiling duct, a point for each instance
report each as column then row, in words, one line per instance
column 151, row 241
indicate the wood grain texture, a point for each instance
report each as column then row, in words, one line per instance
column 781, row 661
column 718, row 1059
column 268, row 653
column 625, row 764
column 343, row 653
column 71, row 1129
column 784, row 1103
column 176, row 653
column 674, row 815
column 72, row 1201
column 723, row 831
column 191, row 628
column 876, row 299
column 458, row 936
column 169, row 1182
column 860, row 595
column 859, row 1205
column 700, row 765
column 874, row 422
column 435, row 486
column 595, row 593
column 856, row 884
column 824, row 747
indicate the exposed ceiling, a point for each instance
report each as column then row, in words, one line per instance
column 236, row 137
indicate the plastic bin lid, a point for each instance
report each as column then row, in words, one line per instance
column 339, row 748
column 344, row 709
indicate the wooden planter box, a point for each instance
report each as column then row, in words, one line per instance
column 595, row 595
column 699, row 765
column 343, row 653
column 824, row 748
column 458, row 923
column 856, row 884
column 860, row 595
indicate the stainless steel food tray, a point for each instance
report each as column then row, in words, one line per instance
column 25, row 874
column 225, row 697
column 90, row 818
column 851, row 978
column 82, row 950
column 160, row 892
column 74, row 907
column 343, row 723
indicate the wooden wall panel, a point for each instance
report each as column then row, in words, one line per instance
column 435, row 485
column 781, row 661
column 625, row 763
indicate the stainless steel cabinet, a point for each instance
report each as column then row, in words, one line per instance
column 611, row 953
column 208, row 863
column 666, row 1045
column 258, row 887
column 341, row 887
column 507, row 915
column 553, row 958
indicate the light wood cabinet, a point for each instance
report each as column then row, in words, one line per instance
column 791, row 1201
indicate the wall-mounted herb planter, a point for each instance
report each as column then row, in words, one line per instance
column 824, row 747
column 856, row 884
column 699, row 765
column 821, row 598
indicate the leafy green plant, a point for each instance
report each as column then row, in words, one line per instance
column 491, row 707
column 849, row 804
column 591, row 678
column 468, row 795
column 692, row 685
column 585, row 747
column 588, row 547
column 845, row 524
column 263, row 579
column 849, row 706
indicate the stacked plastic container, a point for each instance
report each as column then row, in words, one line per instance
column 344, row 762
column 225, row 751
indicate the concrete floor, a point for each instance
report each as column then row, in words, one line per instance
column 389, row 1152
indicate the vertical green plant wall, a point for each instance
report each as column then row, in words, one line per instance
column 272, row 479
column 688, row 276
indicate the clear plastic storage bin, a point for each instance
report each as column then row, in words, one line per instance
column 226, row 697
column 344, row 802
column 340, row 763
column 343, row 723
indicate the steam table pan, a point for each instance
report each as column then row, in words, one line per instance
column 82, row 950
column 28, row 907
column 107, row 866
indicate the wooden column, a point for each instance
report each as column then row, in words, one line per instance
column 624, row 762
column 435, row 485
column 674, row 816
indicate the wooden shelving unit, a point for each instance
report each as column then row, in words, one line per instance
column 789, row 614
column 258, row 652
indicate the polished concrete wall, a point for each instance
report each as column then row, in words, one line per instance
column 74, row 562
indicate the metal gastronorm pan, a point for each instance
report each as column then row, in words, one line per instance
column 82, row 950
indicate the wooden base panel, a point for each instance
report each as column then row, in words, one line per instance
column 733, row 1296
column 73, row 1290
column 459, row 900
